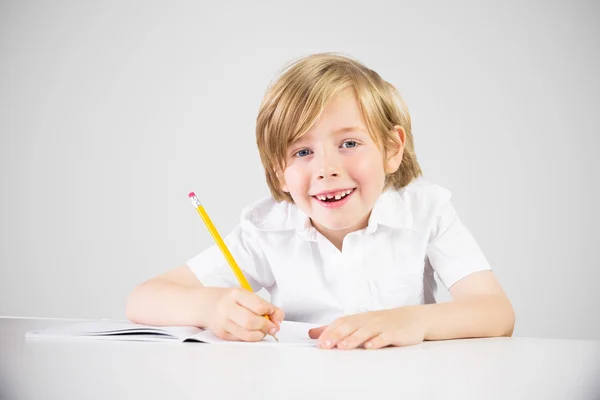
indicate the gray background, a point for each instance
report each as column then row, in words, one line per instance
column 111, row 112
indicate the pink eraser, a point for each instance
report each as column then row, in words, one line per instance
column 192, row 194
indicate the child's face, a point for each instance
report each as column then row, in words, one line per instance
column 328, row 161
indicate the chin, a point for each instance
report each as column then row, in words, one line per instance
column 337, row 225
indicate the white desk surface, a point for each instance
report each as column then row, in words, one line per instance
column 497, row 368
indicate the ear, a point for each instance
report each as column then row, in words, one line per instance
column 394, row 155
column 281, row 180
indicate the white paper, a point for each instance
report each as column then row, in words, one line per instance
column 291, row 333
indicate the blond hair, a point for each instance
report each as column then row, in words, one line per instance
column 294, row 102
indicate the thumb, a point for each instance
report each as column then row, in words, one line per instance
column 314, row 333
column 277, row 316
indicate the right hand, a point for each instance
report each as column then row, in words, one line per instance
column 239, row 316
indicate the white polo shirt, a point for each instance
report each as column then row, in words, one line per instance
column 411, row 233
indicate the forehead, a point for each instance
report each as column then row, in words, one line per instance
column 341, row 114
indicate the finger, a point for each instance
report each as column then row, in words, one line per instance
column 314, row 333
column 377, row 342
column 336, row 332
column 250, row 321
column 277, row 317
column 253, row 302
column 359, row 337
column 241, row 333
column 394, row 338
column 382, row 340
column 325, row 336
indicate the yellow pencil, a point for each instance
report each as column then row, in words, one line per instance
column 215, row 234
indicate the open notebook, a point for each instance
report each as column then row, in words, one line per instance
column 290, row 334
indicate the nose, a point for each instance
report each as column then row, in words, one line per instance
column 328, row 166
column 331, row 173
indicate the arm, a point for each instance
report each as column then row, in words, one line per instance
column 178, row 298
column 174, row 298
column 479, row 308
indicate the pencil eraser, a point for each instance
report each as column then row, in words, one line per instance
column 192, row 194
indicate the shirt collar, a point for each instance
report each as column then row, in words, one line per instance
column 390, row 210
column 304, row 227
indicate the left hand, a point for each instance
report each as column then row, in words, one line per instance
column 373, row 330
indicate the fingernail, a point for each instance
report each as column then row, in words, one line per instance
column 328, row 343
column 343, row 344
column 369, row 345
column 271, row 311
column 272, row 331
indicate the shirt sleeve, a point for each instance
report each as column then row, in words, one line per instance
column 452, row 250
column 212, row 269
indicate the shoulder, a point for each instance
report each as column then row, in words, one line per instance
column 424, row 192
column 423, row 198
column 267, row 214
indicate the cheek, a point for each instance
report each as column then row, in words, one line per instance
column 367, row 168
column 295, row 179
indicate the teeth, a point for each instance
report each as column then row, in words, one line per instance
column 337, row 197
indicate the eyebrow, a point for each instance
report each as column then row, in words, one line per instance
column 336, row 132
column 348, row 129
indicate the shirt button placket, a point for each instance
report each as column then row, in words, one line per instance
column 358, row 291
column 363, row 275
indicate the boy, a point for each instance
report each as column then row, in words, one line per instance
column 349, row 239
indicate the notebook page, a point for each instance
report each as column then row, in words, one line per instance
column 117, row 330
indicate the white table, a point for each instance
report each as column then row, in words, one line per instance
column 498, row 368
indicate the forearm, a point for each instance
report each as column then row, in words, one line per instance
column 163, row 302
column 478, row 316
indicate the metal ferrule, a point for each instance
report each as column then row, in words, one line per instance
column 195, row 201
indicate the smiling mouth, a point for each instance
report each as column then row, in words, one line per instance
column 332, row 198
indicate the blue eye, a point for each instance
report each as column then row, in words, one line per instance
column 350, row 144
column 302, row 153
